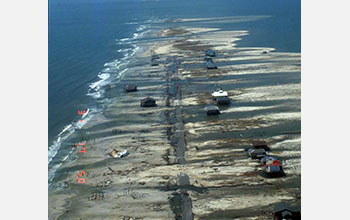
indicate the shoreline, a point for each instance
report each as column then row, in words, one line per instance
column 217, row 177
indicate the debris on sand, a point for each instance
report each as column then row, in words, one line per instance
column 118, row 154
column 97, row 196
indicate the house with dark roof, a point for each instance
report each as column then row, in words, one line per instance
column 210, row 65
column 257, row 153
column 210, row 53
column 130, row 88
column 148, row 102
column 208, row 59
column 260, row 144
column 212, row 110
column 223, row 100
column 155, row 57
column 284, row 211
column 154, row 63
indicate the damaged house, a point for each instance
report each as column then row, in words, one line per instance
column 221, row 97
column 212, row 110
column 130, row 88
column 148, row 102
column 210, row 53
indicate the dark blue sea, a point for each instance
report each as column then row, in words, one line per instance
column 91, row 43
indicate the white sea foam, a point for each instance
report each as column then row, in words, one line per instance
column 52, row 171
column 124, row 39
column 64, row 134
column 111, row 71
column 141, row 28
column 65, row 129
column 124, row 50
column 103, row 77
column 138, row 34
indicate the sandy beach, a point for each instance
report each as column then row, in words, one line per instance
column 183, row 164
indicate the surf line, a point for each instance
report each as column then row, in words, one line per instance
column 81, row 173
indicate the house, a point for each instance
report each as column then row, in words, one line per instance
column 212, row 110
column 130, row 88
column 153, row 63
column 208, row 59
column 257, row 153
column 283, row 211
column 210, row 65
column 155, row 56
column 260, row 144
column 272, row 166
column 267, row 158
column 223, row 100
column 148, row 102
column 219, row 93
column 221, row 97
column 210, row 53
column 272, row 169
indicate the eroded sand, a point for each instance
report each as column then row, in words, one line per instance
column 223, row 183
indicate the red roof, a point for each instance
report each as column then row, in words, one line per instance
column 274, row 163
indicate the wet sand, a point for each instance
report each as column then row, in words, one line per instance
column 182, row 163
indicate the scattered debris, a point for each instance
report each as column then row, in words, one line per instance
column 103, row 183
column 131, row 218
column 116, row 131
column 118, row 154
column 112, row 170
column 134, row 195
column 97, row 196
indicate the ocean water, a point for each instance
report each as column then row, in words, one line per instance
column 91, row 43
